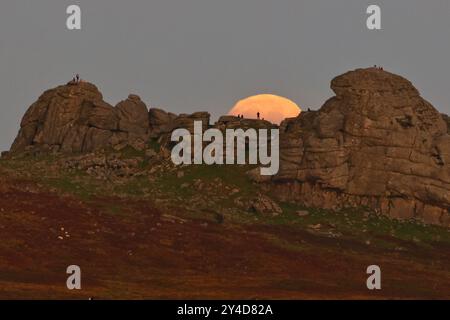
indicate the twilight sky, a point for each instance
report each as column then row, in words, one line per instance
column 204, row 55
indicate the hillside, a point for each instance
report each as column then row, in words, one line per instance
column 364, row 180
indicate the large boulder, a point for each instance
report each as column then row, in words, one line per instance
column 133, row 115
column 74, row 118
column 377, row 143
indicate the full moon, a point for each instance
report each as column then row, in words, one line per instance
column 271, row 107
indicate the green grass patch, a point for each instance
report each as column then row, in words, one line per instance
column 362, row 225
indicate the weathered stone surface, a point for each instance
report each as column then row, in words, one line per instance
column 255, row 176
column 133, row 116
column 74, row 118
column 261, row 204
column 161, row 122
column 375, row 143
column 101, row 115
column 186, row 121
column 233, row 122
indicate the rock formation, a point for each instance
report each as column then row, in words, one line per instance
column 377, row 143
column 160, row 121
column 74, row 118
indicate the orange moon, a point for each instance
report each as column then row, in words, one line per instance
column 271, row 107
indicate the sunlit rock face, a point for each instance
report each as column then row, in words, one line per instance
column 377, row 143
column 270, row 107
column 74, row 118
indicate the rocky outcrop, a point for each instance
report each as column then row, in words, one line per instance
column 447, row 120
column 260, row 204
column 74, row 118
column 233, row 122
column 377, row 143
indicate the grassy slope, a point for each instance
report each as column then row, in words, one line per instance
column 354, row 234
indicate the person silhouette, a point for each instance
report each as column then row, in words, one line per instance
column 257, row 115
column 78, row 78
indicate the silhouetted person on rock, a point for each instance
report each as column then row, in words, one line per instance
column 78, row 78
column 257, row 115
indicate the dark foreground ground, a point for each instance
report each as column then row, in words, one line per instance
column 136, row 248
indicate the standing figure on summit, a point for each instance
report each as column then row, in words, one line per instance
column 77, row 78
column 257, row 115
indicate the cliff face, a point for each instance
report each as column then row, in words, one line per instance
column 377, row 143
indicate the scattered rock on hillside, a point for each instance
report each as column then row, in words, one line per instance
column 160, row 122
column 103, row 166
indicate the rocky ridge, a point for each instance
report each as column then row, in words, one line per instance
column 375, row 144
